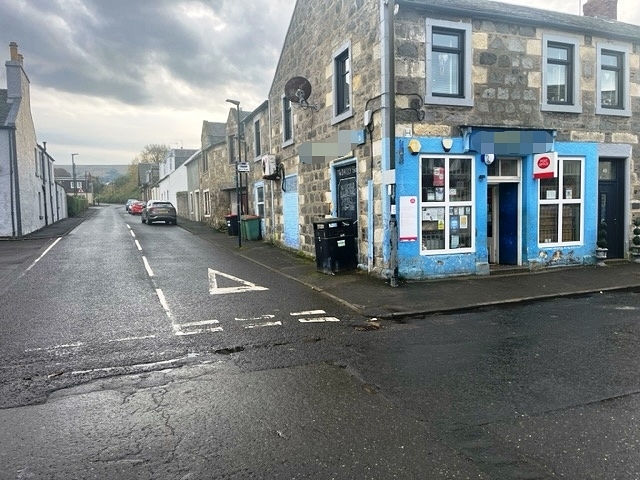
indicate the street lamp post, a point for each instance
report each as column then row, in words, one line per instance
column 73, row 167
column 238, row 175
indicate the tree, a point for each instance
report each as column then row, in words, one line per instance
column 152, row 153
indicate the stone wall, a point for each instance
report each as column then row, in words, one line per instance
column 316, row 31
column 507, row 87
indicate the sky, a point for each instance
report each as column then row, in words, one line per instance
column 111, row 76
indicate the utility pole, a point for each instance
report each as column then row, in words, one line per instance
column 238, row 176
column 73, row 167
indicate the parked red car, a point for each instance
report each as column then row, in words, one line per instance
column 136, row 208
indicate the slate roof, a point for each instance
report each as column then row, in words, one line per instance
column 214, row 132
column 4, row 106
column 181, row 155
column 489, row 10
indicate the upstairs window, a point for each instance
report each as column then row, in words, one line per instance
column 612, row 84
column 561, row 74
column 256, row 138
column 205, row 161
column 341, row 84
column 231, row 147
column 287, row 122
column 448, row 63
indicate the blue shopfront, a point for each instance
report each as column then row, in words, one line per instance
column 494, row 197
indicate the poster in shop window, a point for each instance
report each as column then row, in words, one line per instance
column 408, row 225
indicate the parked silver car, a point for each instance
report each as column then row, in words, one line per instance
column 159, row 211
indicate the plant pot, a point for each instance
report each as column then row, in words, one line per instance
column 601, row 255
column 635, row 253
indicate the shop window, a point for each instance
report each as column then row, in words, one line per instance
column 561, row 208
column 612, row 83
column 447, row 204
column 448, row 63
column 561, row 74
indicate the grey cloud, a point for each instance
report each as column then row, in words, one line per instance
column 107, row 48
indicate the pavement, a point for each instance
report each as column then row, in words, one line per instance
column 374, row 297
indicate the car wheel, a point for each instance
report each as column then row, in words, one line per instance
column 175, row 222
column 142, row 218
column 149, row 222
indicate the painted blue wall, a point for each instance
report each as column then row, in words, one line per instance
column 413, row 265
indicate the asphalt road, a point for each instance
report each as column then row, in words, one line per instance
column 144, row 352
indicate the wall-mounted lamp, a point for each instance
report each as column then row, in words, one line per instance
column 414, row 146
column 447, row 143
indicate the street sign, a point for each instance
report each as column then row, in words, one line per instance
column 243, row 167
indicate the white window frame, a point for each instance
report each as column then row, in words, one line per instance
column 286, row 141
column 348, row 112
column 206, row 203
column 625, row 111
column 447, row 204
column 258, row 203
column 576, row 105
column 466, row 66
column 561, row 201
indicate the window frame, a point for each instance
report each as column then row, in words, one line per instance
column 575, row 105
column 257, row 144
column 206, row 203
column 287, row 122
column 464, row 30
column 231, row 148
column 448, row 205
column 205, row 161
column 624, row 110
column 259, row 205
column 342, row 80
column 560, row 201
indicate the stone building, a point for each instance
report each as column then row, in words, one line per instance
column 474, row 133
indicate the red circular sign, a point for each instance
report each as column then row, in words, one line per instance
column 544, row 162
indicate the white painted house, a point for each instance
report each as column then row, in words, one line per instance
column 29, row 197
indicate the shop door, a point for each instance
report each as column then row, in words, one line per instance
column 611, row 203
column 507, row 224
column 502, row 223
column 347, row 194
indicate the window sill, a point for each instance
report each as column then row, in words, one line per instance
column 547, row 107
column 343, row 116
column 613, row 112
column 453, row 102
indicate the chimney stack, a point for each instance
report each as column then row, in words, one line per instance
column 601, row 9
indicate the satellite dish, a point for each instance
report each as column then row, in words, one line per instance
column 298, row 90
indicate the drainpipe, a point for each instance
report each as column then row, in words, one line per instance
column 389, row 126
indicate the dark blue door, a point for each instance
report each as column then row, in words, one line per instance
column 508, row 224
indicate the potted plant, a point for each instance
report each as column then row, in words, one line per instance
column 635, row 247
column 601, row 251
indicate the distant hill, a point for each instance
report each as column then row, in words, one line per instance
column 106, row 173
